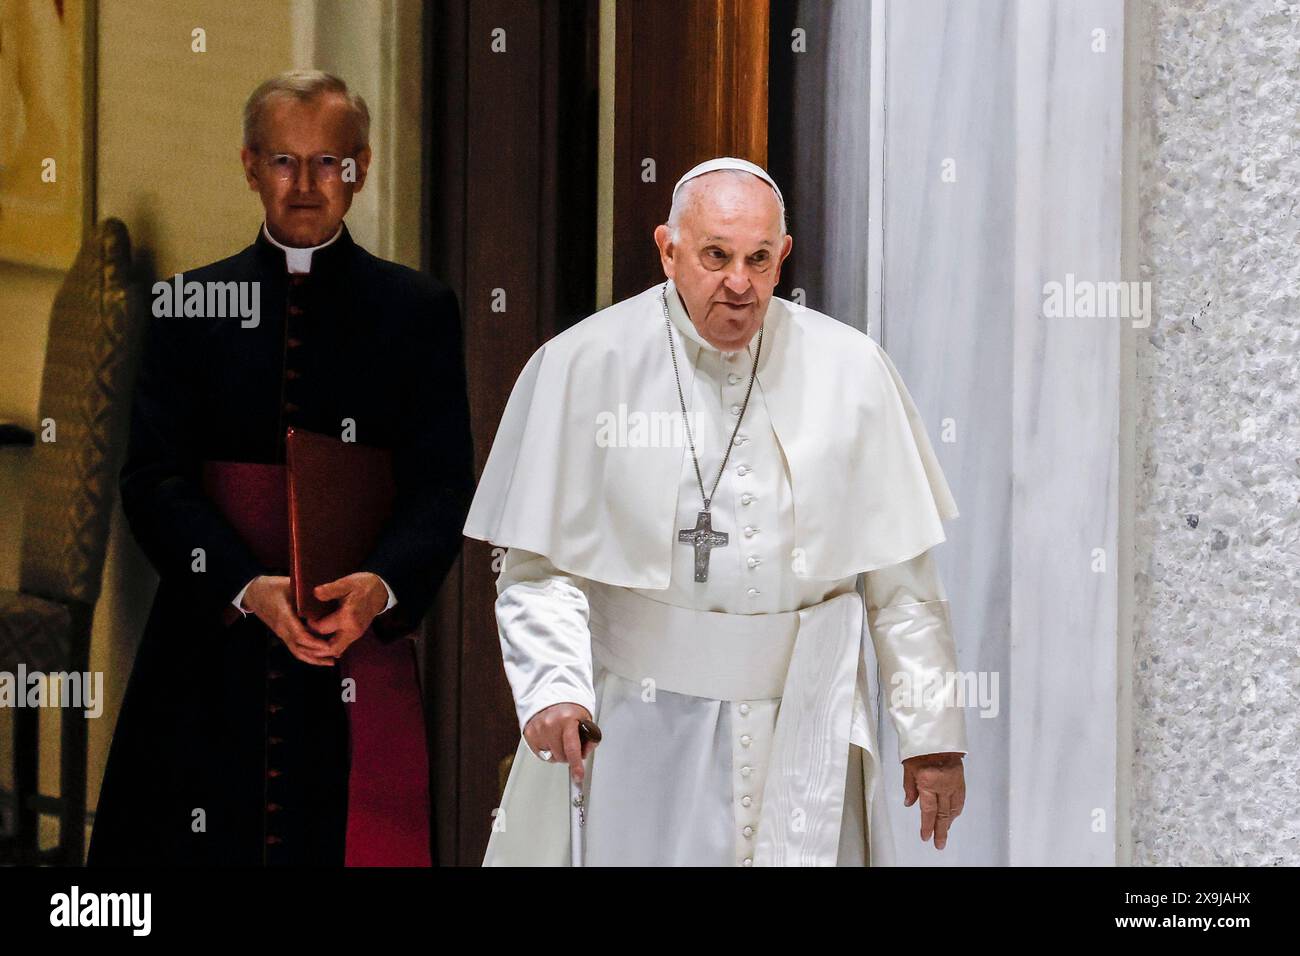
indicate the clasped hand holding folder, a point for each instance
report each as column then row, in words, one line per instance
column 340, row 496
column 316, row 518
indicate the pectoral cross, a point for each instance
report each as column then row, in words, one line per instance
column 705, row 539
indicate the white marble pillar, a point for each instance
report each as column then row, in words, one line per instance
column 947, row 286
column 1065, row 433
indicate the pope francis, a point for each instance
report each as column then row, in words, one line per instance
column 703, row 591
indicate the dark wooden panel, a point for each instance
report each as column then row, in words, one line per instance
column 445, row 27
column 690, row 84
column 512, row 209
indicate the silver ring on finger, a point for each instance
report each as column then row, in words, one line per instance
column 545, row 755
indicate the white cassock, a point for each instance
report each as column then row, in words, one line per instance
column 736, row 712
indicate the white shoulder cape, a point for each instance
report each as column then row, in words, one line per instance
column 868, row 490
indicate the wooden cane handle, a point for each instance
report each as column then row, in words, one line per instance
column 587, row 730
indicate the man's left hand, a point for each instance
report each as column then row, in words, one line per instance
column 362, row 598
column 940, row 781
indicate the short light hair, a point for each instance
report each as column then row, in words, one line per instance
column 303, row 85
column 686, row 195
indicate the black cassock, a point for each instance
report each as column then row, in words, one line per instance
column 218, row 716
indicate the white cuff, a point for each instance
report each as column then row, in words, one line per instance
column 911, row 627
column 238, row 602
column 392, row 598
column 545, row 643
column 919, row 678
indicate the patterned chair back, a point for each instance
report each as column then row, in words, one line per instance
column 73, row 479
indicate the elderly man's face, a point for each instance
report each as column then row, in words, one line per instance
column 727, row 259
column 305, row 209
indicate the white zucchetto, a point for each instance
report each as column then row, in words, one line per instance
column 731, row 162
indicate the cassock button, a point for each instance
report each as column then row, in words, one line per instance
column 745, row 741
column 291, row 373
column 273, row 772
column 272, row 807
column 274, row 740
column 746, row 770
column 754, row 562
column 738, row 440
column 746, row 498
column 750, row 531
column 744, row 708
column 732, row 378
column 290, row 408
column 752, row 592
column 742, row 469
column 748, row 862
column 748, row 831
column 295, row 310
column 293, row 343
column 272, row 840
column 746, row 801
column 735, row 409
column 275, row 708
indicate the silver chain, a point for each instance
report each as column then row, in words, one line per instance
column 753, row 373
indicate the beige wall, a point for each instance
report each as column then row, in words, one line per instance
column 167, row 156
column 166, row 162
column 25, row 299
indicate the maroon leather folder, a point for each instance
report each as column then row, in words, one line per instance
column 340, row 496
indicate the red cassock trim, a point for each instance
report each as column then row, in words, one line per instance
column 388, row 777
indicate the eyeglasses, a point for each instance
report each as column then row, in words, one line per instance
column 323, row 168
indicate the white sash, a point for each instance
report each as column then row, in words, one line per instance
column 812, row 659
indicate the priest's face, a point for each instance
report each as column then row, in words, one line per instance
column 726, row 259
column 305, row 195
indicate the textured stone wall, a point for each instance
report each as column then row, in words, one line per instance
column 1216, row 694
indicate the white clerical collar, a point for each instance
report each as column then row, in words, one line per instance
column 680, row 318
column 299, row 259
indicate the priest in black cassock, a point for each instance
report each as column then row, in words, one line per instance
column 239, row 741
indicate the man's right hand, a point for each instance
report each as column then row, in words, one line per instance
column 271, row 599
column 555, row 728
